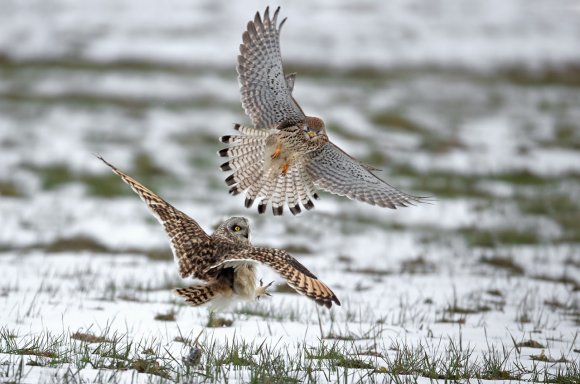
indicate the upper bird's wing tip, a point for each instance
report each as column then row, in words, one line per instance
column 429, row 200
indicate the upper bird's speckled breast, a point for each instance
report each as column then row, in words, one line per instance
column 285, row 147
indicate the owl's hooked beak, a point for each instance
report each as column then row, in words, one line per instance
column 312, row 134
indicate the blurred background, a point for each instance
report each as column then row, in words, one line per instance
column 474, row 103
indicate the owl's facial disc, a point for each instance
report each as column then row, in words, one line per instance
column 239, row 227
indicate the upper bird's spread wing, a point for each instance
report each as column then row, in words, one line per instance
column 266, row 93
column 297, row 276
column 186, row 236
column 333, row 170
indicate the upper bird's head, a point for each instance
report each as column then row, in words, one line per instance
column 235, row 228
column 314, row 129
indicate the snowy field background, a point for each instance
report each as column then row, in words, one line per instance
column 474, row 103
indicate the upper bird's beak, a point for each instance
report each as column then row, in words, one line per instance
column 311, row 134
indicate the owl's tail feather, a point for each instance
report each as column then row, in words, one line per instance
column 198, row 294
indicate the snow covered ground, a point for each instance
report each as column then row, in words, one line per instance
column 476, row 104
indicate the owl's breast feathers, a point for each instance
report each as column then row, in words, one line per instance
column 198, row 265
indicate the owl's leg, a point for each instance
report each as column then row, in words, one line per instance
column 262, row 290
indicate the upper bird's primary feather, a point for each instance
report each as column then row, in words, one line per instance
column 266, row 92
column 335, row 171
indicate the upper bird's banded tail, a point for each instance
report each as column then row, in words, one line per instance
column 246, row 157
column 293, row 195
column 246, row 154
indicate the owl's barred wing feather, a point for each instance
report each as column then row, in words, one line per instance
column 186, row 236
column 266, row 94
column 297, row 275
column 335, row 171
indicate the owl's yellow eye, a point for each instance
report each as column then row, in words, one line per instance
column 237, row 228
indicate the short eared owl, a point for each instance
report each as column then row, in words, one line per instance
column 287, row 155
column 225, row 260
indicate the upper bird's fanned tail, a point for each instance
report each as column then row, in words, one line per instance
column 335, row 171
column 245, row 155
column 292, row 192
column 270, row 183
column 279, row 195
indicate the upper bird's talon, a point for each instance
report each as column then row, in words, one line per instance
column 277, row 152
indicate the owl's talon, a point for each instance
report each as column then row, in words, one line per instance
column 262, row 290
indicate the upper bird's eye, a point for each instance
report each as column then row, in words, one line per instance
column 237, row 228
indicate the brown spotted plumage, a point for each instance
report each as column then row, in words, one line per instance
column 287, row 155
column 226, row 261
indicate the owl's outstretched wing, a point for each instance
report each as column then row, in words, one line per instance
column 333, row 170
column 185, row 235
column 297, row 275
column 266, row 93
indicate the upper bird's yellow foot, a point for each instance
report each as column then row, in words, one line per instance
column 262, row 290
column 277, row 152
column 285, row 168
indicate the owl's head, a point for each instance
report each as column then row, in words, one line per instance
column 235, row 228
column 314, row 130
